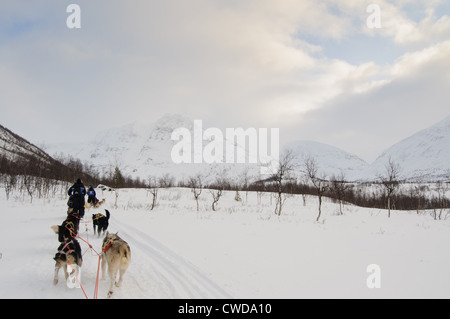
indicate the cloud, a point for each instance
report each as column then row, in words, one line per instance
column 405, row 31
column 251, row 63
column 367, row 122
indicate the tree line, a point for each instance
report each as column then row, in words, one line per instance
column 32, row 175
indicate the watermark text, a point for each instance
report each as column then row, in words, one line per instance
column 74, row 19
column 236, row 146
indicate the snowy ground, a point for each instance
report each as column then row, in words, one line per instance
column 241, row 251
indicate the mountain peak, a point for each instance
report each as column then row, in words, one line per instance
column 144, row 149
column 423, row 155
column 330, row 160
column 165, row 125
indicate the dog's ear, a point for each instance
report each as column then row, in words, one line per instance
column 55, row 228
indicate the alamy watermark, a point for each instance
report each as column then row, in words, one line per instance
column 236, row 146
column 374, row 19
column 73, row 21
column 374, row 279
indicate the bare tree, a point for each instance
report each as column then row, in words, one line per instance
column 285, row 166
column 153, row 187
column 418, row 191
column 304, row 187
column 217, row 192
column 390, row 182
column 237, row 196
column 166, row 181
column 320, row 183
column 10, row 182
column 28, row 184
column 441, row 190
column 338, row 187
column 246, row 182
column 195, row 183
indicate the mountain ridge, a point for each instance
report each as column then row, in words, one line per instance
column 143, row 149
column 425, row 155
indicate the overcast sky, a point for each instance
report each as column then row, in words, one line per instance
column 312, row 68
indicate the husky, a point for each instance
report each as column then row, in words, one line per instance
column 116, row 253
column 69, row 252
column 96, row 205
column 68, row 229
column 100, row 222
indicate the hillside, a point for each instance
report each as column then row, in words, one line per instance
column 331, row 161
column 422, row 156
column 14, row 147
column 20, row 157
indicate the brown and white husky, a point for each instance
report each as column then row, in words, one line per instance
column 116, row 253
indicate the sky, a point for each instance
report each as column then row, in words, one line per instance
column 314, row 69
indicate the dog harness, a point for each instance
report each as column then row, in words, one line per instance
column 107, row 245
column 71, row 228
column 98, row 216
column 67, row 246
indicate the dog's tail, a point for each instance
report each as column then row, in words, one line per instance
column 107, row 213
column 55, row 228
column 126, row 255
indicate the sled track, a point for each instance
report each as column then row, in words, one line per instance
column 157, row 272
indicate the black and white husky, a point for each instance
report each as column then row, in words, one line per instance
column 69, row 253
column 100, row 222
column 69, row 227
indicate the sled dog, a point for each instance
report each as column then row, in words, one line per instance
column 68, row 229
column 116, row 253
column 96, row 205
column 100, row 222
column 69, row 252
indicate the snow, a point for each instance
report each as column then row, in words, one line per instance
column 240, row 251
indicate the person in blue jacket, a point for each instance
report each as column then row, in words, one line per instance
column 76, row 197
column 91, row 196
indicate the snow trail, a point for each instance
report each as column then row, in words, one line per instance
column 159, row 272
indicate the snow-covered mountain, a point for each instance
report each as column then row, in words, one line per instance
column 144, row 150
column 15, row 148
column 422, row 156
column 331, row 161
column 20, row 157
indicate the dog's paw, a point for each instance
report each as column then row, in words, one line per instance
column 109, row 294
column 55, row 282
